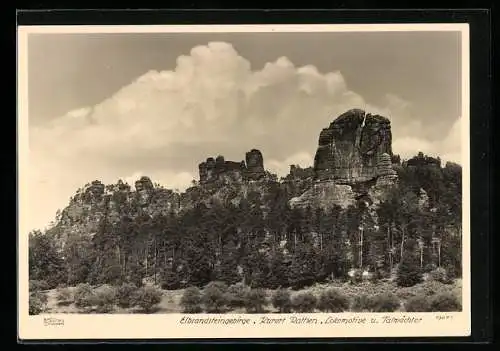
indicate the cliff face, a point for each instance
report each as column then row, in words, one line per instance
column 353, row 161
column 97, row 201
column 324, row 195
column 350, row 147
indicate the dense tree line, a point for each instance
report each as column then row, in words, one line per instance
column 264, row 243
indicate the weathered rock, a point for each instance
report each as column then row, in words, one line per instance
column 297, row 172
column 144, row 184
column 423, row 199
column 350, row 147
column 324, row 195
column 89, row 206
column 384, row 165
column 144, row 188
column 96, row 188
column 219, row 169
column 255, row 165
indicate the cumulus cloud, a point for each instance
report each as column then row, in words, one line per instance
column 165, row 122
column 448, row 149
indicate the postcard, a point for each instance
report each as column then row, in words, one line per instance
column 243, row 181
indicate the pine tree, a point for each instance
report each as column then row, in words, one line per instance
column 409, row 272
column 302, row 269
column 228, row 270
column 278, row 272
column 45, row 261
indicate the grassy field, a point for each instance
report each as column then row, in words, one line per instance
column 170, row 302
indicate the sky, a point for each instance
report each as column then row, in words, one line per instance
column 119, row 106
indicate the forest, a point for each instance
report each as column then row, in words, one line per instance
column 263, row 243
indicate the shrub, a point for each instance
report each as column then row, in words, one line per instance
column 440, row 275
column 419, row 303
column 191, row 300
column 304, row 302
column 38, row 285
column 409, row 272
column 445, row 302
column 104, row 298
column 236, row 295
column 83, row 295
column 222, row 286
column 147, row 298
column 387, row 302
column 282, row 301
column 37, row 302
column 255, row 300
column 332, row 300
column 432, row 287
column 362, row 303
column 214, row 297
column 452, row 272
column 356, row 276
column 64, row 297
column 429, row 267
column 126, row 295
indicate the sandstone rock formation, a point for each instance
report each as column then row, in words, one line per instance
column 255, row 165
column 229, row 171
column 96, row 201
column 423, row 199
column 324, row 195
column 349, row 148
column 353, row 162
column 386, row 175
column 144, row 188
column 220, row 169
column 297, row 172
column 96, row 188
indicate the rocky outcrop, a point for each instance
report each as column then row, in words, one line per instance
column 353, row 162
column 219, row 169
column 255, row 165
column 325, row 195
column 96, row 188
column 144, row 188
column 97, row 201
column 423, row 199
column 350, row 147
column 386, row 175
column 297, row 172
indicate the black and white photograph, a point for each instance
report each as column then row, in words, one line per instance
column 302, row 176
